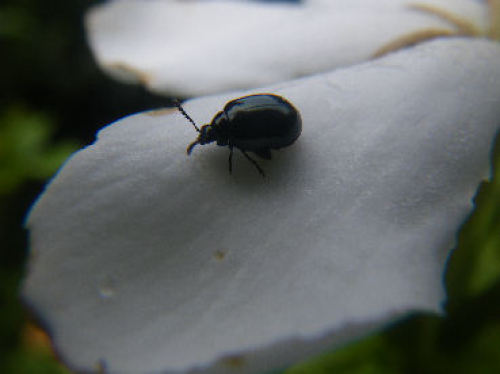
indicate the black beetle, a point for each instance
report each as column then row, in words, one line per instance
column 254, row 123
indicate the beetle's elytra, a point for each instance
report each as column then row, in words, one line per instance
column 255, row 123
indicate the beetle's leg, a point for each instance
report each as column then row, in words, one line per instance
column 265, row 153
column 230, row 159
column 253, row 162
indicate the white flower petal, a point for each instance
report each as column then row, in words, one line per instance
column 150, row 260
column 199, row 47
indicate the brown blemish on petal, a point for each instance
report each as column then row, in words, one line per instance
column 410, row 40
column 160, row 112
column 122, row 68
column 101, row 366
column 220, row 254
column 234, row 361
column 463, row 26
column 494, row 21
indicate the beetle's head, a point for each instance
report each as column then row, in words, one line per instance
column 208, row 134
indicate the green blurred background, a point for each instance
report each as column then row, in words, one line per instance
column 52, row 102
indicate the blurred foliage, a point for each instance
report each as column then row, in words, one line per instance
column 26, row 154
column 475, row 266
column 25, row 148
column 465, row 340
column 34, row 355
column 52, row 91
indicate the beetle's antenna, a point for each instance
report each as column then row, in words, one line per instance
column 177, row 103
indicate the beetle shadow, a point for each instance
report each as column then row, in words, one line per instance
column 284, row 165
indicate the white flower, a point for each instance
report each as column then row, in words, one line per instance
column 198, row 47
column 147, row 260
